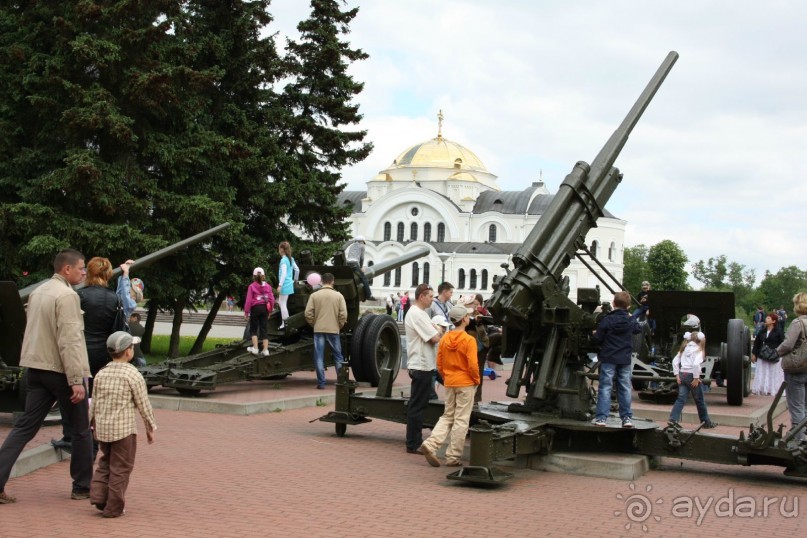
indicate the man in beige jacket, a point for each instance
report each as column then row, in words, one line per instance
column 55, row 355
column 326, row 311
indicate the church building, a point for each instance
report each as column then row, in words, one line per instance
column 440, row 195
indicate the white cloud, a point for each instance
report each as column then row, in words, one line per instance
column 715, row 164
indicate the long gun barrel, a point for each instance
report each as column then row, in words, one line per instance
column 562, row 229
column 390, row 265
column 145, row 260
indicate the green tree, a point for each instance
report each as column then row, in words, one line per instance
column 635, row 270
column 319, row 138
column 666, row 264
column 778, row 289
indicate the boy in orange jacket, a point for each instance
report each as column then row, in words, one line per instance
column 458, row 365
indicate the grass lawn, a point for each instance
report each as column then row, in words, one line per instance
column 159, row 346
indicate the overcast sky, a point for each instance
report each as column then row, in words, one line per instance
column 716, row 164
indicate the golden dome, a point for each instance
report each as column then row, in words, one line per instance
column 439, row 153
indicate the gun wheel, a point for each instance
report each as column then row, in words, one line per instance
column 189, row 392
column 381, row 348
column 356, row 363
column 733, row 362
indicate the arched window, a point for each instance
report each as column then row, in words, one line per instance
column 461, row 283
column 400, row 232
column 473, row 280
column 594, row 247
column 387, row 279
column 415, row 275
column 612, row 252
column 398, row 277
column 484, row 285
column 413, row 232
column 426, row 272
column 441, row 232
column 492, row 233
column 427, row 232
column 387, row 231
column 370, row 264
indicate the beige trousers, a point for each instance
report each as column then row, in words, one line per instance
column 454, row 423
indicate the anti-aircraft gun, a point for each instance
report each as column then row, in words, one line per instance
column 371, row 343
column 549, row 338
column 12, row 322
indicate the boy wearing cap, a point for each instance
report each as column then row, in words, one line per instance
column 457, row 363
column 118, row 390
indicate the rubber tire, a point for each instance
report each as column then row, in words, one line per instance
column 356, row 360
column 381, row 348
column 733, row 369
column 747, row 364
column 340, row 429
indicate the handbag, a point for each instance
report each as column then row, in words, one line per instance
column 767, row 353
column 796, row 361
column 120, row 323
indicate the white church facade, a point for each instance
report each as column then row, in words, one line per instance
column 438, row 194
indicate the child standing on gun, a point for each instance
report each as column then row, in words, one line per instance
column 687, row 370
column 118, row 390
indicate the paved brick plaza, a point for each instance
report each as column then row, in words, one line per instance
column 276, row 474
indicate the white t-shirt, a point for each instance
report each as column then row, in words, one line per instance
column 421, row 354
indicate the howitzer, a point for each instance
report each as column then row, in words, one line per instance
column 370, row 343
column 12, row 321
column 548, row 336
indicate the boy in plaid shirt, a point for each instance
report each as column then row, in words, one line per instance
column 117, row 390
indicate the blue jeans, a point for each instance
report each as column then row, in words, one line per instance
column 623, row 390
column 796, row 393
column 697, row 394
column 319, row 354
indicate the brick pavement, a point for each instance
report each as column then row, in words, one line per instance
column 276, row 474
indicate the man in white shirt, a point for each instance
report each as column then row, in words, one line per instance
column 421, row 340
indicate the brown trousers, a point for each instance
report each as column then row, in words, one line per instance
column 111, row 478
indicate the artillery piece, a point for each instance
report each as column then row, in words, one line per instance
column 12, row 322
column 549, row 338
column 370, row 343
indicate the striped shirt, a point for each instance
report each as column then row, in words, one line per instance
column 117, row 390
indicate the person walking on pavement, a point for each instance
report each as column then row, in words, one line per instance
column 55, row 355
column 457, row 364
column 421, row 338
column 326, row 311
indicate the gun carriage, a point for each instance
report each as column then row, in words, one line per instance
column 370, row 342
column 12, row 322
column 548, row 336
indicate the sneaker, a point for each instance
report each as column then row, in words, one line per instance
column 708, row 425
column 430, row 457
column 598, row 422
column 253, row 350
column 265, row 352
column 454, row 463
column 80, row 495
column 627, row 423
column 5, row 498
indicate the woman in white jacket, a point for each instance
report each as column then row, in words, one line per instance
column 687, row 370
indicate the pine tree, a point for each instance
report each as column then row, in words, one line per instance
column 319, row 139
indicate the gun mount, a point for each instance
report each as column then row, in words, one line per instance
column 12, row 322
column 548, row 336
column 370, row 343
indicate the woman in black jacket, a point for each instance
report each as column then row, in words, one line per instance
column 100, row 305
column 768, row 376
